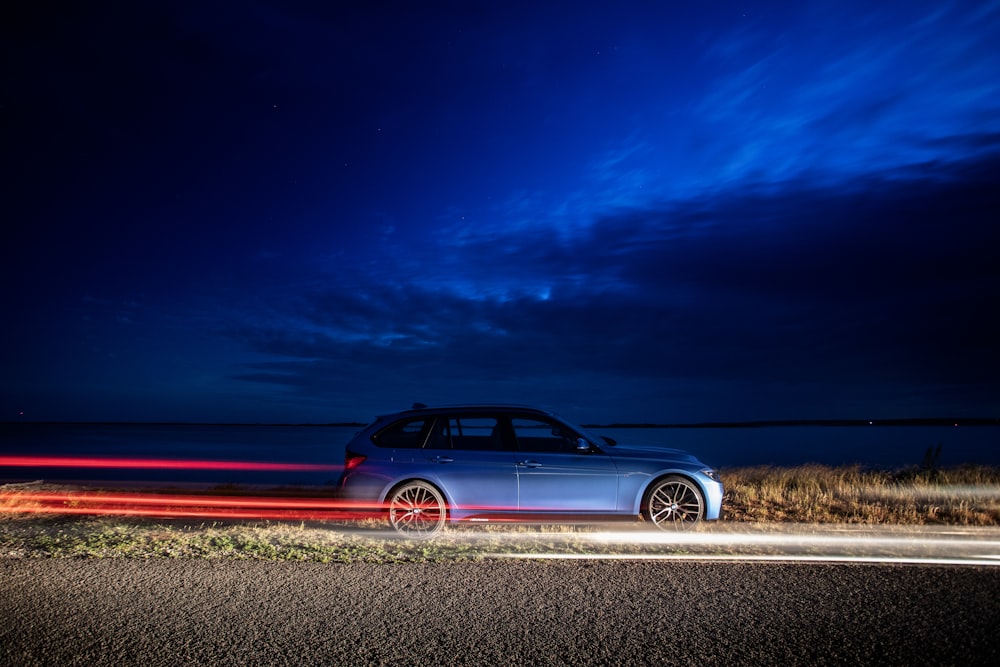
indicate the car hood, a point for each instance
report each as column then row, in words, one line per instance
column 650, row 452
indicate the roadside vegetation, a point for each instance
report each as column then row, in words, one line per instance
column 925, row 495
column 757, row 498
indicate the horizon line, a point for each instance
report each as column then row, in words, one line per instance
column 896, row 421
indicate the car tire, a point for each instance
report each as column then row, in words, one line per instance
column 417, row 509
column 674, row 502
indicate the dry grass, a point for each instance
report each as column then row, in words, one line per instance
column 768, row 497
column 968, row 496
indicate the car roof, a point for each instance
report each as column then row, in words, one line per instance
column 466, row 408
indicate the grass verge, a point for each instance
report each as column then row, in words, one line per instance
column 762, row 497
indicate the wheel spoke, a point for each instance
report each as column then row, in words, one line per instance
column 659, row 515
column 661, row 496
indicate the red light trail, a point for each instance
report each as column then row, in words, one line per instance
column 177, row 505
column 157, row 464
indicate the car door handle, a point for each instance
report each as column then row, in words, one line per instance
column 529, row 464
column 442, row 459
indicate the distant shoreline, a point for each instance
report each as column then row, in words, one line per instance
column 163, row 423
column 932, row 421
column 921, row 421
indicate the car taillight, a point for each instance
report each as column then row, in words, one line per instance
column 353, row 460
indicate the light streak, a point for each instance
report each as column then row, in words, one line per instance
column 157, row 464
column 177, row 505
column 208, row 513
column 172, row 499
column 751, row 539
column 914, row 545
column 985, row 560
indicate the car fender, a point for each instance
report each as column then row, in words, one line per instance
column 416, row 476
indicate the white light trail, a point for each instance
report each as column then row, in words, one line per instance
column 988, row 560
column 914, row 545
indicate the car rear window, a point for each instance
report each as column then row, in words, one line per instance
column 408, row 434
column 467, row 432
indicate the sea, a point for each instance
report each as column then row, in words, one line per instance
column 321, row 448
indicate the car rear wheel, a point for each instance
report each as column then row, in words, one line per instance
column 417, row 509
column 674, row 502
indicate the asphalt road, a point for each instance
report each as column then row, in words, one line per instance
column 508, row 612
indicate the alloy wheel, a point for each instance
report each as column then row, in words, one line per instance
column 417, row 509
column 674, row 502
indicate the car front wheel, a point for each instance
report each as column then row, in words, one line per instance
column 674, row 502
column 417, row 509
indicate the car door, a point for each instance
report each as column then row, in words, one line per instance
column 472, row 458
column 554, row 476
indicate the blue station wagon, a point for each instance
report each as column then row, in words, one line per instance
column 429, row 466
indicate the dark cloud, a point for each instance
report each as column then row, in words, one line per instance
column 888, row 282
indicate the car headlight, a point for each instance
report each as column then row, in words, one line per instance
column 711, row 474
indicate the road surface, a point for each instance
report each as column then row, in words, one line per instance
column 505, row 612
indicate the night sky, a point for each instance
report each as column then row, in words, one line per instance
column 659, row 212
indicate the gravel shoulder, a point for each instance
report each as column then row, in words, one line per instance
column 511, row 612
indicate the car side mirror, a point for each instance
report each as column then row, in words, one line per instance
column 582, row 445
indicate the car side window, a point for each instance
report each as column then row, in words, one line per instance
column 439, row 437
column 535, row 435
column 478, row 434
column 409, row 434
